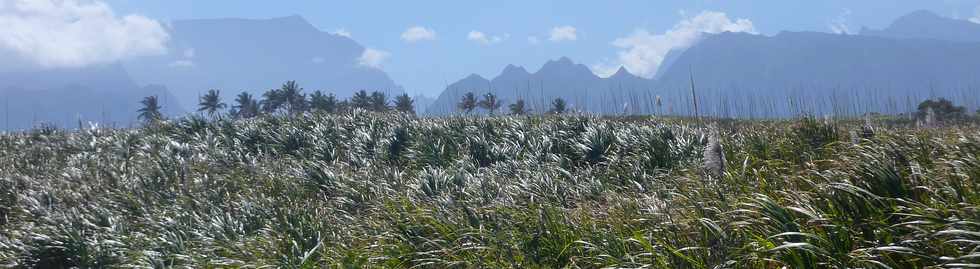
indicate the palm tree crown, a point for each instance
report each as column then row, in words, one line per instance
column 361, row 100
column 150, row 112
column 468, row 103
column 558, row 106
column 211, row 102
column 405, row 104
column 292, row 96
column 245, row 106
column 323, row 102
column 490, row 102
column 518, row 108
column 379, row 101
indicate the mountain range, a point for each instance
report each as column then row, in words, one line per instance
column 921, row 55
column 579, row 86
column 231, row 55
column 69, row 97
column 256, row 55
column 928, row 25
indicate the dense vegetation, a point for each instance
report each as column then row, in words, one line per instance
column 362, row 189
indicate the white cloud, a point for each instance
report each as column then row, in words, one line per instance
column 563, row 33
column 482, row 38
column 373, row 58
column 418, row 33
column 839, row 24
column 75, row 33
column 342, row 32
column 976, row 15
column 642, row 52
column 533, row 40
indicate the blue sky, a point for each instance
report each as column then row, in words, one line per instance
column 426, row 65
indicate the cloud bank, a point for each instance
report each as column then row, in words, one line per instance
column 976, row 15
column 418, row 33
column 839, row 24
column 642, row 52
column 342, row 32
column 563, row 33
column 482, row 38
column 75, row 33
column 373, row 58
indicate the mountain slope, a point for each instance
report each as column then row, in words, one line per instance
column 929, row 25
column 561, row 78
column 64, row 97
column 256, row 55
column 745, row 75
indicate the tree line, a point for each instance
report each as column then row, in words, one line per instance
column 491, row 104
column 289, row 99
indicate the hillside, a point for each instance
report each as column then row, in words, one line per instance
column 793, row 72
column 920, row 56
column 563, row 78
column 929, row 25
column 256, row 55
column 65, row 96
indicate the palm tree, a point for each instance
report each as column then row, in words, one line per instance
column 361, row 100
column 343, row 105
column 293, row 97
column 558, row 106
column 468, row 103
column 379, row 101
column 272, row 100
column 245, row 106
column 211, row 103
column 405, row 104
column 518, row 108
column 323, row 102
column 490, row 102
column 150, row 112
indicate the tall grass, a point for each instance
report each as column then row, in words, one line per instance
column 378, row 190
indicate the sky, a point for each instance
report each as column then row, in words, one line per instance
column 424, row 45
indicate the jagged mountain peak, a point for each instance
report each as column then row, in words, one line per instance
column 565, row 65
column 622, row 73
column 474, row 76
column 511, row 70
column 558, row 78
column 560, row 62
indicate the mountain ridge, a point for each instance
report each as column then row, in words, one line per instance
column 923, row 24
column 67, row 97
column 747, row 75
column 582, row 88
column 254, row 55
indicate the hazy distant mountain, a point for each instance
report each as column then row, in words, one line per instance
column 744, row 75
column 256, row 55
column 929, row 25
column 422, row 103
column 920, row 56
column 575, row 83
column 668, row 61
column 63, row 97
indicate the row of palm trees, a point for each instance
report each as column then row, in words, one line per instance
column 289, row 99
column 491, row 103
